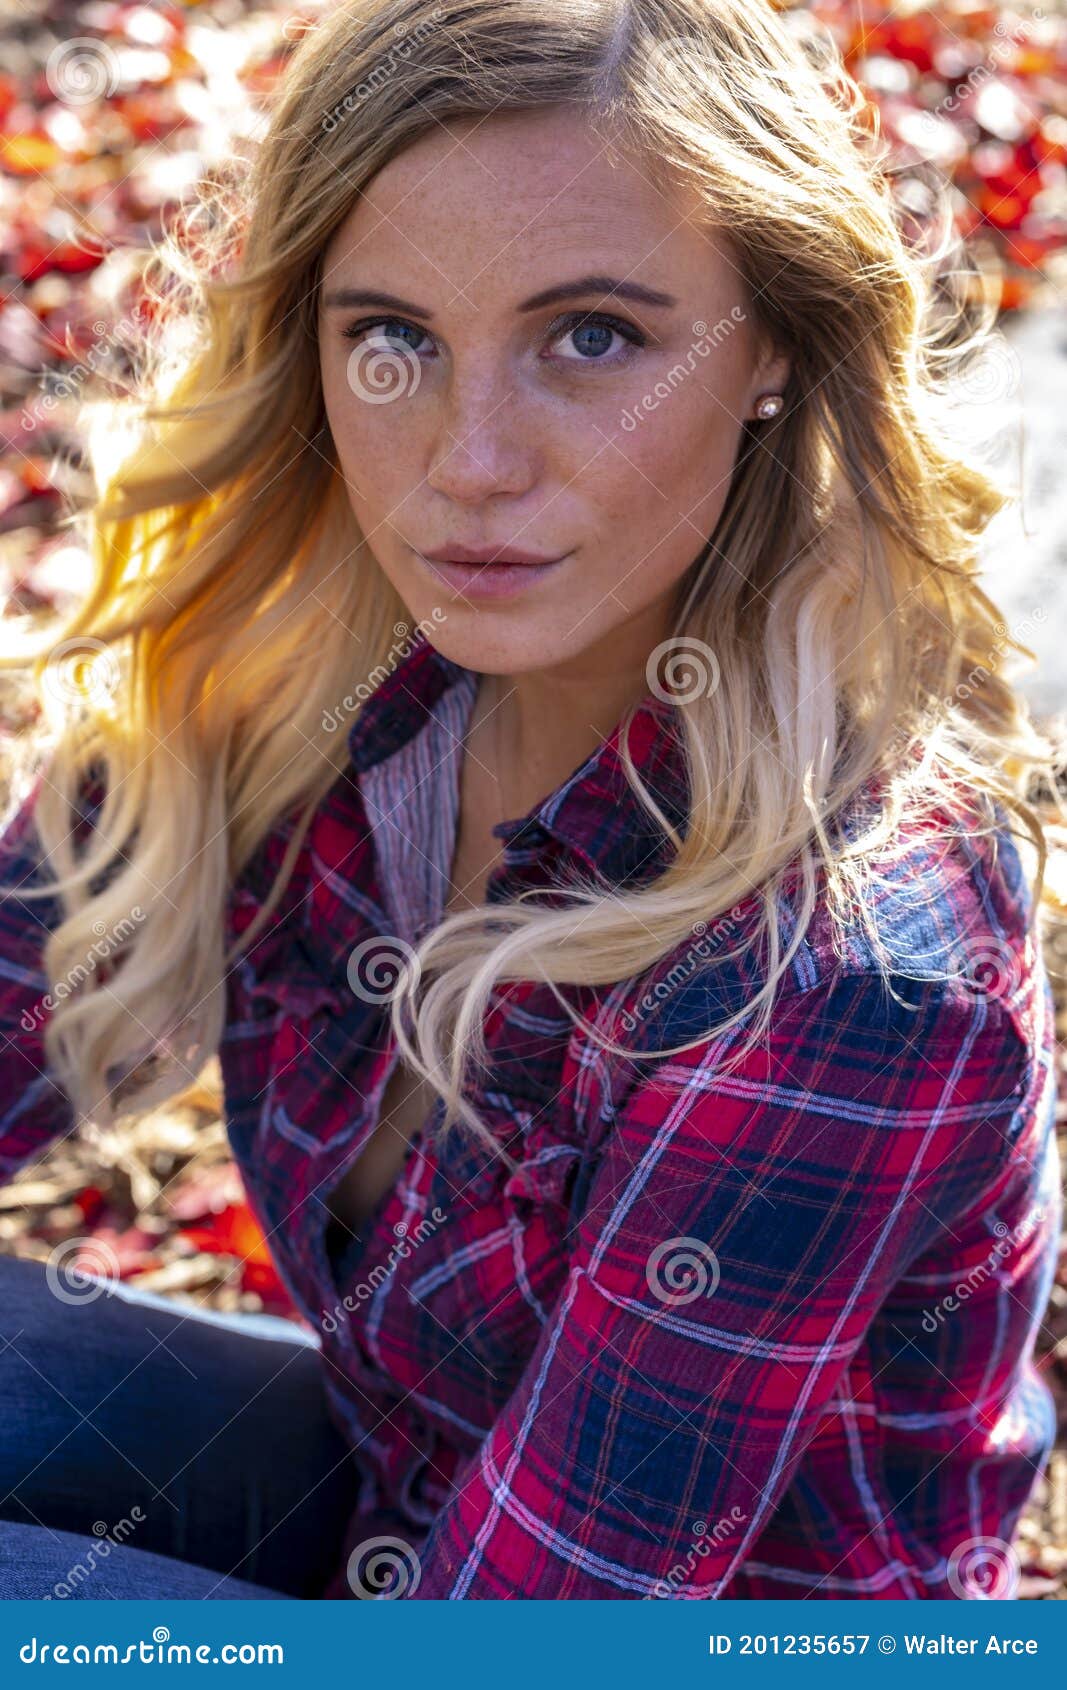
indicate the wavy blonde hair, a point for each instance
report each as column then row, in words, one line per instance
column 224, row 549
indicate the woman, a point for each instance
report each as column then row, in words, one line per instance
column 543, row 729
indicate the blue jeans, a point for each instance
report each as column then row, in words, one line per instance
column 147, row 1449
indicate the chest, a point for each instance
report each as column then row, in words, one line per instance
column 407, row 1101
column 406, row 1104
column 458, row 1255
column 452, row 1258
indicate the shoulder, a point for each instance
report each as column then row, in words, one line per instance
column 945, row 899
column 937, row 999
column 870, row 1100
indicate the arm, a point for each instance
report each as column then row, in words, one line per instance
column 809, row 1178
column 33, row 1108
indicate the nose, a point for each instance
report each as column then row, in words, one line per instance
column 483, row 447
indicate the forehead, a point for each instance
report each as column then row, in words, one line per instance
column 501, row 203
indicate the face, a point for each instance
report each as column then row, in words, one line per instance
column 527, row 347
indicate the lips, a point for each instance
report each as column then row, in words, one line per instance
column 506, row 574
column 489, row 555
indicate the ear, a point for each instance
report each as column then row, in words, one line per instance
column 770, row 374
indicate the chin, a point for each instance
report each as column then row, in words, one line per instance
column 465, row 636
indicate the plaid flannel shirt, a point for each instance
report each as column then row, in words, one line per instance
column 764, row 1332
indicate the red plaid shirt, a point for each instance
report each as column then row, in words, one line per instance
column 759, row 1333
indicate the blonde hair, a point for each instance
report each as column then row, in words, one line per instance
column 838, row 592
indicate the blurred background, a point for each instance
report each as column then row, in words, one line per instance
column 111, row 115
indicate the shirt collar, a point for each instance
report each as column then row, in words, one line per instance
column 594, row 813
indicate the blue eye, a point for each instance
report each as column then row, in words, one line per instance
column 595, row 330
column 357, row 330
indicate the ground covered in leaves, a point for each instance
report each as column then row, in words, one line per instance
column 110, row 114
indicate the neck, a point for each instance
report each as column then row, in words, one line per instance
column 546, row 723
column 542, row 724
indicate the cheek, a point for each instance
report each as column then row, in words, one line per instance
column 662, row 485
column 374, row 445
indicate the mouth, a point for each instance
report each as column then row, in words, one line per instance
column 499, row 579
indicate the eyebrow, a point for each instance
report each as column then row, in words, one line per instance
column 602, row 286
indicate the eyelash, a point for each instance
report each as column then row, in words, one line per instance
column 565, row 325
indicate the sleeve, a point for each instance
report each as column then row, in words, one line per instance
column 742, row 1229
column 34, row 1110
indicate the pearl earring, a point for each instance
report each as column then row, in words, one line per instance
column 769, row 405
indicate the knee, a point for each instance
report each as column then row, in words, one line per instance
column 50, row 1360
column 26, row 1299
column 45, row 1302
